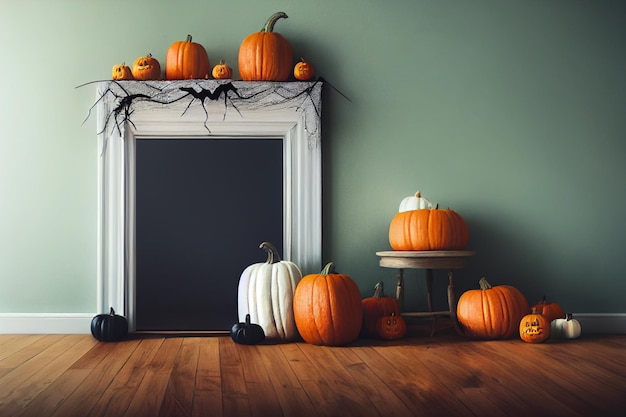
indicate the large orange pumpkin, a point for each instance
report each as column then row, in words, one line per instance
column 428, row 229
column 375, row 307
column 186, row 60
column 266, row 55
column 491, row 312
column 327, row 308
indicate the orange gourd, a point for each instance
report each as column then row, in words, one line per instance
column 534, row 327
column 428, row 229
column 266, row 55
column 146, row 68
column 491, row 312
column 186, row 60
column 122, row 72
column 303, row 70
column 222, row 71
column 375, row 307
column 327, row 308
column 551, row 311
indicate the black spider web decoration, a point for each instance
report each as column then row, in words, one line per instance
column 123, row 97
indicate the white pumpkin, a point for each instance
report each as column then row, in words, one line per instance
column 567, row 328
column 415, row 202
column 266, row 293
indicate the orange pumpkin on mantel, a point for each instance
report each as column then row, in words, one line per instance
column 146, row 68
column 428, row 229
column 304, row 70
column 186, row 61
column 121, row 72
column 266, row 55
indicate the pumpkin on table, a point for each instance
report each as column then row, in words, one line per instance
column 109, row 327
column 266, row 293
column 146, row 68
column 186, row 60
column 551, row 311
column 491, row 312
column 534, row 327
column 266, row 55
column 375, row 307
column 327, row 308
column 428, row 229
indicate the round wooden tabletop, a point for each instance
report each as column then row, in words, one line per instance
column 425, row 259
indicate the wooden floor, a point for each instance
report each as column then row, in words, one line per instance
column 446, row 375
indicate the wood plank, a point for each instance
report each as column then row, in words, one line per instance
column 103, row 368
column 179, row 394
column 256, row 370
column 235, row 401
column 149, row 395
column 118, row 395
column 208, row 384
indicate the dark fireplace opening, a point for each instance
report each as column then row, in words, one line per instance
column 203, row 206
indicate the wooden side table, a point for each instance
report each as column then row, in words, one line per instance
column 427, row 260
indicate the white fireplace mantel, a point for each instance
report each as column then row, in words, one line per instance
column 128, row 111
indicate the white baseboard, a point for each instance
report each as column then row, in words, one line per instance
column 79, row 323
column 45, row 323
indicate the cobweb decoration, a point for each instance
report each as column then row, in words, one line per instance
column 122, row 98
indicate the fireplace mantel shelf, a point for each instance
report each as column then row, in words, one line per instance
column 217, row 100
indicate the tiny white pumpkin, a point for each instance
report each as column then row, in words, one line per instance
column 415, row 202
column 266, row 293
column 567, row 328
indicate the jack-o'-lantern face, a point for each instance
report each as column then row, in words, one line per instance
column 146, row 68
column 121, row 72
column 391, row 327
column 534, row 328
column 303, row 70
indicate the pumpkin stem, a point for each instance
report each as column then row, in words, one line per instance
column 418, row 194
column 484, row 285
column 248, row 319
column 272, row 253
column 188, row 38
column 328, row 269
column 568, row 316
column 112, row 312
column 379, row 290
column 269, row 25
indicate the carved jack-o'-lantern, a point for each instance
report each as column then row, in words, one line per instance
column 534, row 327
column 391, row 327
column 146, row 68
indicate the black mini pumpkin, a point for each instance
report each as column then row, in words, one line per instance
column 109, row 327
column 247, row 333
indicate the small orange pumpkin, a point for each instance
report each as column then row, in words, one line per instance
column 222, row 71
column 375, row 307
column 491, row 312
column 146, row 68
column 551, row 311
column 428, row 229
column 122, row 72
column 303, row 70
column 266, row 55
column 327, row 308
column 186, row 61
column 391, row 327
column 534, row 327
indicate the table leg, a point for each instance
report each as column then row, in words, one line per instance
column 429, row 288
column 452, row 302
column 400, row 290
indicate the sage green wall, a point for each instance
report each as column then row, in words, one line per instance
column 510, row 112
